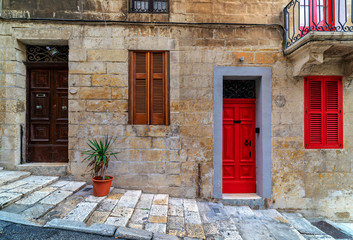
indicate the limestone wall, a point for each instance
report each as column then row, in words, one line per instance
column 230, row 11
column 165, row 158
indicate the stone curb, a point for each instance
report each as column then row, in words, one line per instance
column 161, row 236
column 99, row 229
column 133, row 234
column 16, row 218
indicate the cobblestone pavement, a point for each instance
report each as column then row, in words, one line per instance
column 131, row 214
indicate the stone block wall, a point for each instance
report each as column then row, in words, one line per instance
column 166, row 158
column 218, row 11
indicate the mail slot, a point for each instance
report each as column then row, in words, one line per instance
column 40, row 95
column 238, row 121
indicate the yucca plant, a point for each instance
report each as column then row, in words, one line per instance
column 99, row 154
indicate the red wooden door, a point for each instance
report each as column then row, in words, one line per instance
column 47, row 130
column 239, row 146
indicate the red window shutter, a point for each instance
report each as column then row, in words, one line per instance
column 140, row 85
column 334, row 124
column 313, row 112
column 158, row 88
column 323, row 112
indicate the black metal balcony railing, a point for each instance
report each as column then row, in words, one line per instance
column 149, row 6
column 304, row 16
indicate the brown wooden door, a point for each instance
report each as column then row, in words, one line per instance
column 47, row 128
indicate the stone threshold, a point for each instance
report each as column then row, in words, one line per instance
column 44, row 169
column 252, row 200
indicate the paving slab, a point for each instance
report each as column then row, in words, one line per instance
column 82, row 211
column 11, row 176
column 12, row 185
column 73, row 186
column 117, row 221
column 240, row 213
column 176, row 223
column 97, row 217
column 133, row 234
column 192, row 217
column 140, row 216
column 86, row 191
column 211, row 212
column 36, row 196
column 129, row 199
column 195, row 231
column 16, row 208
column 270, row 215
column 210, row 229
column 37, row 211
column 253, row 229
column 63, row 208
column 159, row 210
column 301, row 224
column 122, row 212
column 156, row 227
column 60, row 184
column 231, row 235
column 282, row 231
column 115, row 196
column 7, row 198
column 135, row 226
column 145, row 201
column 56, row 197
column 160, row 199
column 176, row 211
column 107, row 205
column 176, row 202
column 101, row 229
column 94, row 199
column 190, row 205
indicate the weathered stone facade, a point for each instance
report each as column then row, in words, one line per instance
column 166, row 158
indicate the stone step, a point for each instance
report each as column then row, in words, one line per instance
column 7, row 177
column 251, row 200
column 21, row 188
column 240, row 213
column 304, row 227
column 41, row 201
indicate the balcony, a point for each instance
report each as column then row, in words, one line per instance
column 319, row 33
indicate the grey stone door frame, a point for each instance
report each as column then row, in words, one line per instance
column 262, row 76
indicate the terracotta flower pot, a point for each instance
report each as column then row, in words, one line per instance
column 101, row 187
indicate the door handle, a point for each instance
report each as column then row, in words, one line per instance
column 250, row 143
column 249, row 154
column 64, row 108
column 39, row 107
column 246, row 142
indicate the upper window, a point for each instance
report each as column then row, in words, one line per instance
column 323, row 112
column 148, row 88
column 149, row 6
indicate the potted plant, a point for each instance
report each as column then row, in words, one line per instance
column 98, row 157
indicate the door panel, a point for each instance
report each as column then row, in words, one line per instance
column 239, row 170
column 47, row 115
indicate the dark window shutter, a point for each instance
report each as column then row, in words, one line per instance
column 158, row 86
column 140, row 88
column 323, row 112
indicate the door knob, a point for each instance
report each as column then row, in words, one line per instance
column 39, row 107
column 64, row 108
column 246, row 142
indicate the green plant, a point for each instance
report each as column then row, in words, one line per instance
column 99, row 154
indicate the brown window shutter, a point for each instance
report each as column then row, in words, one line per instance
column 158, row 88
column 139, row 91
